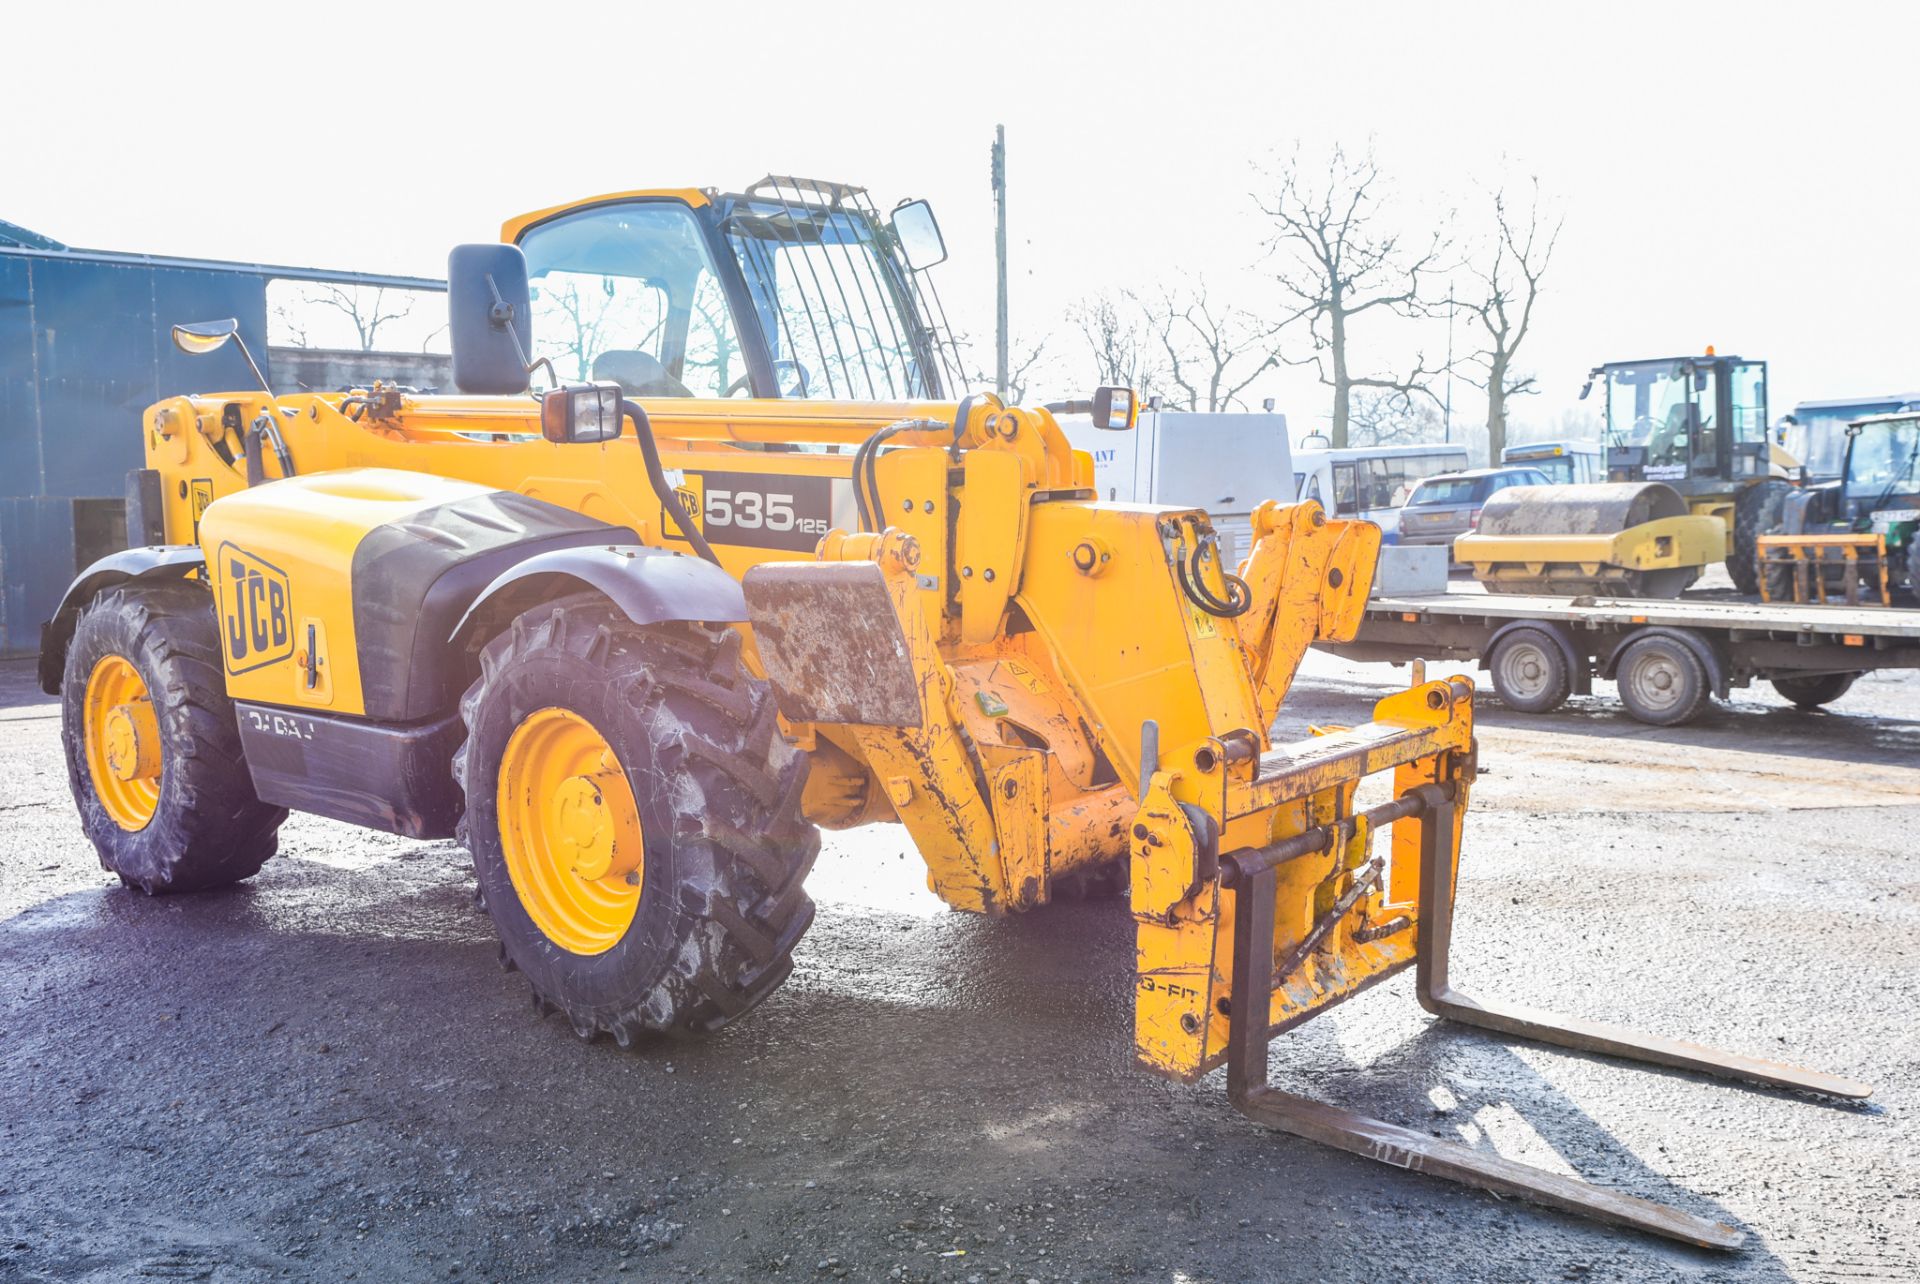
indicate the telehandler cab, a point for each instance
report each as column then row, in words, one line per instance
column 751, row 568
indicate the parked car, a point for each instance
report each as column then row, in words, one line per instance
column 1448, row 505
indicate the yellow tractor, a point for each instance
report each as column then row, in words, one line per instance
column 748, row 568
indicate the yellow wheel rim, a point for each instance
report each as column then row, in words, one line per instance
column 122, row 738
column 570, row 831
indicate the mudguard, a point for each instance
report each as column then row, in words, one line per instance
column 650, row 585
column 158, row 561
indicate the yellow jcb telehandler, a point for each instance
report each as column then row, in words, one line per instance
column 749, row 568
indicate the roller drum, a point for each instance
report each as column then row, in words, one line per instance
column 1600, row 508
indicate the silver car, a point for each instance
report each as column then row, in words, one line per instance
column 1448, row 505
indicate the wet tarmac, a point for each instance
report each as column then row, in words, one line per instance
column 322, row 1074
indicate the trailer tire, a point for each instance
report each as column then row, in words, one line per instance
column 1812, row 691
column 648, row 755
column 152, row 745
column 1662, row 682
column 1530, row 671
column 1757, row 511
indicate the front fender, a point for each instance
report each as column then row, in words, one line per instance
column 156, row 561
column 650, row 585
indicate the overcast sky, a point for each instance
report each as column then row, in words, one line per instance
column 1741, row 175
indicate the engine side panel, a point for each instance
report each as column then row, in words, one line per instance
column 336, row 591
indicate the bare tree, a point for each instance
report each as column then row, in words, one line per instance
column 580, row 321
column 1338, row 261
column 1022, row 359
column 367, row 313
column 1213, row 351
column 1508, row 274
column 1024, row 363
column 1390, row 418
column 1121, row 340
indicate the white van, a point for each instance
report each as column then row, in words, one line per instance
column 1225, row 463
column 1370, row 482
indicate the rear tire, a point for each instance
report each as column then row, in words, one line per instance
column 1530, row 671
column 1662, row 681
column 1816, row 690
column 1757, row 511
column 190, row 820
column 712, row 791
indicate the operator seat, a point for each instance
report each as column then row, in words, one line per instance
column 638, row 373
column 1668, row 444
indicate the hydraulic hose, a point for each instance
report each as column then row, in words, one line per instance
column 643, row 433
column 1193, row 583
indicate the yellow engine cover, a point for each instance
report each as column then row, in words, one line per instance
column 281, row 560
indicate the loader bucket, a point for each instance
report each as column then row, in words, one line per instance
column 1633, row 539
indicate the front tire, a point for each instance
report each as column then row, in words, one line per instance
column 634, row 818
column 1530, row 672
column 152, row 745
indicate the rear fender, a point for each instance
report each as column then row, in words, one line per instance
column 155, row 562
column 649, row 585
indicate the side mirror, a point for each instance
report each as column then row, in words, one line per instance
column 489, row 318
column 197, row 338
column 918, row 233
column 1115, row 409
column 581, row 412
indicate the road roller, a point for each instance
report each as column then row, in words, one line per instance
column 1692, row 478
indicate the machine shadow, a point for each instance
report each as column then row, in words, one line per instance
column 932, row 1052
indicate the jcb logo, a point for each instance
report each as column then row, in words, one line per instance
column 255, row 610
column 690, row 495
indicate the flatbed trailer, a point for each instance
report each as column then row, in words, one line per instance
column 1670, row 657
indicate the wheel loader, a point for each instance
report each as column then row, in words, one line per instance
column 1692, row 479
column 746, row 566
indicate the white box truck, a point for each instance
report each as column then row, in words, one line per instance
column 1225, row 463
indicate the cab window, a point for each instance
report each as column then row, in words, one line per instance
column 627, row 293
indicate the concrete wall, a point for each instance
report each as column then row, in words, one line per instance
column 334, row 369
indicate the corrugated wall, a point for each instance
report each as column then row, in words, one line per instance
column 83, row 350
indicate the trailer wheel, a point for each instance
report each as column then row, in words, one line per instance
column 634, row 818
column 1662, row 681
column 1530, row 671
column 152, row 746
column 1815, row 690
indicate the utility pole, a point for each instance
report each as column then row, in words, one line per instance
column 1447, row 432
column 1000, row 258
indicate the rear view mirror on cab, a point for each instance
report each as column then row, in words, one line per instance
column 489, row 319
column 581, row 412
column 918, row 233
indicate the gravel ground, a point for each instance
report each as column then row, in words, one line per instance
column 323, row 1074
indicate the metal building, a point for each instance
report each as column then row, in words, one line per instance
column 84, row 349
